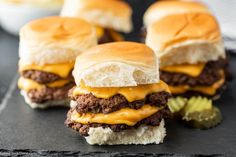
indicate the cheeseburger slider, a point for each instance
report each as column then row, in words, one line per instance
column 109, row 16
column 118, row 97
column 48, row 48
column 191, row 52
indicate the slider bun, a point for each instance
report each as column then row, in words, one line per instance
column 141, row 135
column 161, row 9
column 113, row 14
column 52, row 103
column 186, row 38
column 53, row 40
column 117, row 64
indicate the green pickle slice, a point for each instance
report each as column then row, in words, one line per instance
column 177, row 104
column 197, row 104
column 200, row 113
column 205, row 121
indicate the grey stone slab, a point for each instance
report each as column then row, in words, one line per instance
column 27, row 132
column 8, row 60
column 22, row 128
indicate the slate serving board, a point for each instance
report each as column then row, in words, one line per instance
column 8, row 60
column 27, row 132
column 41, row 132
column 24, row 131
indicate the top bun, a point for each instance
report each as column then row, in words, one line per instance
column 113, row 14
column 161, row 9
column 186, row 38
column 54, row 40
column 118, row 64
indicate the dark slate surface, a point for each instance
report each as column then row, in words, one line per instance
column 8, row 60
column 24, row 131
column 22, row 128
column 27, row 132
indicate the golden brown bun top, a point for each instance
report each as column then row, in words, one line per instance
column 164, row 8
column 115, row 14
column 57, row 29
column 130, row 52
column 117, row 64
column 116, row 7
column 172, row 4
column 176, row 29
column 55, row 40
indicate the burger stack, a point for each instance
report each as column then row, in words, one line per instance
column 48, row 48
column 118, row 97
column 187, row 40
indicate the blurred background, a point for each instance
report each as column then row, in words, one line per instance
column 15, row 13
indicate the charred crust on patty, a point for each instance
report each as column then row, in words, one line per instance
column 46, row 93
column 90, row 103
column 216, row 96
column 208, row 76
column 153, row 120
column 42, row 76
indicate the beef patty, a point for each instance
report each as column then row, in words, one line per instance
column 190, row 93
column 153, row 120
column 42, row 77
column 208, row 76
column 47, row 93
column 90, row 103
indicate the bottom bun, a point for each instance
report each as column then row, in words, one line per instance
column 141, row 135
column 52, row 103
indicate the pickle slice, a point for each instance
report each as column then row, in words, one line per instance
column 204, row 120
column 200, row 113
column 177, row 104
column 197, row 104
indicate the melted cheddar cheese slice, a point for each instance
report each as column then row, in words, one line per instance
column 126, row 116
column 99, row 31
column 62, row 70
column 193, row 70
column 27, row 84
column 130, row 93
column 209, row 90
column 115, row 35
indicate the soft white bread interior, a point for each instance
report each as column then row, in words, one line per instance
column 118, row 64
column 161, row 9
column 186, row 38
column 141, row 135
column 113, row 14
column 52, row 103
column 53, row 40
